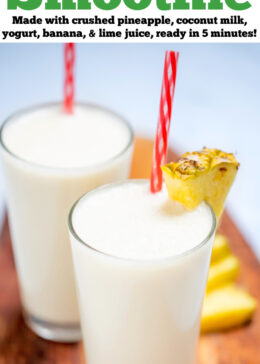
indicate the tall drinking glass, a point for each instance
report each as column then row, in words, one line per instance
column 141, row 263
column 50, row 159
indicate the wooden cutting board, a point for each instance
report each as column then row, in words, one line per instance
column 18, row 345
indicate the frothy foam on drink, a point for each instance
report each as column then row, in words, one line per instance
column 49, row 137
column 128, row 221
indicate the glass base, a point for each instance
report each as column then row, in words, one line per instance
column 53, row 332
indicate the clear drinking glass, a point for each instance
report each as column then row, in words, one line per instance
column 38, row 200
column 139, row 311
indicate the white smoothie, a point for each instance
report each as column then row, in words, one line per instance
column 141, row 263
column 50, row 160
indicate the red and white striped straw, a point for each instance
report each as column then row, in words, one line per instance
column 69, row 88
column 164, row 120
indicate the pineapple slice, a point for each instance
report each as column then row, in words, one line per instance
column 223, row 271
column 225, row 308
column 198, row 176
column 220, row 248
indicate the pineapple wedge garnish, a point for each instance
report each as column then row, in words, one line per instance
column 225, row 308
column 223, row 271
column 220, row 248
column 198, row 176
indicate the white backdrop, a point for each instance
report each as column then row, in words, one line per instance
column 216, row 101
column 250, row 24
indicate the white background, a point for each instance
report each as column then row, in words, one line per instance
column 251, row 15
column 216, row 102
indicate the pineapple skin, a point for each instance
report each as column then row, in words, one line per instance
column 225, row 308
column 198, row 176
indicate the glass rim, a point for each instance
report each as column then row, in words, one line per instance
column 136, row 260
column 45, row 105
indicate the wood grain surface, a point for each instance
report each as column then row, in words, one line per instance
column 18, row 345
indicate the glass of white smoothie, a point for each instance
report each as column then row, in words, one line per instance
column 50, row 159
column 141, row 263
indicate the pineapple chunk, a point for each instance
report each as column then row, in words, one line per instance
column 223, row 271
column 220, row 248
column 198, row 176
column 225, row 308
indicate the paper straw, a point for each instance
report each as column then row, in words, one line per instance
column 164, row 120
column 69, row 61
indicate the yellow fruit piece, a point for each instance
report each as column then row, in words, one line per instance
column 198, row 176
column 223, row 271
column 220, row 248
column 226, row 307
